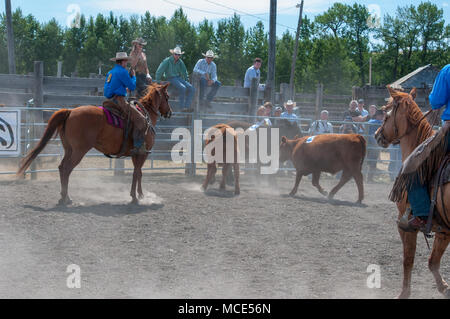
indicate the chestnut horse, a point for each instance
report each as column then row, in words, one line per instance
column 405, row 124
column 86, row 127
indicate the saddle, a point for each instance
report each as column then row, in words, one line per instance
column 124, row 121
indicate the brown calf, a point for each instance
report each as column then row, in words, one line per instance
column 326, row 153
column 211, row 172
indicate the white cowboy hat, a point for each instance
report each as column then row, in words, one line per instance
column 290, row 102
column 139, row 41
column 209, row 54
column 177, row 50
column 120, row 56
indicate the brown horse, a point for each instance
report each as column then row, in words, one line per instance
column 225, row 131
column 405, row 124
column 86, row 127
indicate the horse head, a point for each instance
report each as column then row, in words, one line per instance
column 157, row 100
column 401, row 115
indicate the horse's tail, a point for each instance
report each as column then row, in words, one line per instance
column 364, row 148
column 56, row 122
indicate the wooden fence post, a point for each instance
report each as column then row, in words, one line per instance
column 253, row 97
column 190, row 168
column 319, row 99
column 37, row 116
column 285, row 93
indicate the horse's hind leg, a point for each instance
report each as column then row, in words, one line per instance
column 439, row 246
column 210, row 174
column 237, row 188
column 226, row 167
column 315, row 183
column 71, row 159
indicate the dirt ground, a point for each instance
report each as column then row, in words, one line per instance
column 183, row 243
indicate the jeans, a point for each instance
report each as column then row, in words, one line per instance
column 395, row 156
column 204, row 84
column 185, row 90
column 418, row 196
column 141, row 84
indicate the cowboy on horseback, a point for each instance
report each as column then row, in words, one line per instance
column 118, row 80
column 418, row 195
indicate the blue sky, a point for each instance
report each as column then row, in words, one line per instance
column 197, row 10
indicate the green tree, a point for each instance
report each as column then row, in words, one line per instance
column 430, row 22
column 334, row 19
column 74, row 39
column 257, row 45
column 358, row 38
column 230, row 46
column 49, row 46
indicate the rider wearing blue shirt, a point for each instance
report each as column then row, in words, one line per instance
column 115, row 89
column 418, row 196
column 119, row 82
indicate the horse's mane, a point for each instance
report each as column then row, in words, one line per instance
column 148, row 97
column 414, row 115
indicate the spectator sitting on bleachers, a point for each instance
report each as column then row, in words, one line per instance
column 268, row 106
column 321, row 126
column 348, row 127
column 261, row 119
column 372, row 110
column 289, row 114
column 362, row 110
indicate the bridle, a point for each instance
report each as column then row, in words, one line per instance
column 410, row 128
column 150, row 105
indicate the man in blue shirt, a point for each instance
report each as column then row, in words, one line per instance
column 253, row 72
column 118, row 80
column 208, row 77
column 289, row 114
column 418, row 196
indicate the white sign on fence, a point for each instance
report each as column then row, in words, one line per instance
column 9, row 132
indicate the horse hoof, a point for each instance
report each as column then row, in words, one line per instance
column 134, row 201
column 141, row 196
column 64, row 202
column 237, row 192
column 324, row 193
column 403, row 295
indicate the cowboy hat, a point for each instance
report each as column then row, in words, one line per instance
column 139, row 41
column 209, row 54
column 120, row 56
column 177, row 50
column 290, row 102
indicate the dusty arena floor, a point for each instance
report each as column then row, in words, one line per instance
column 183, row 243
